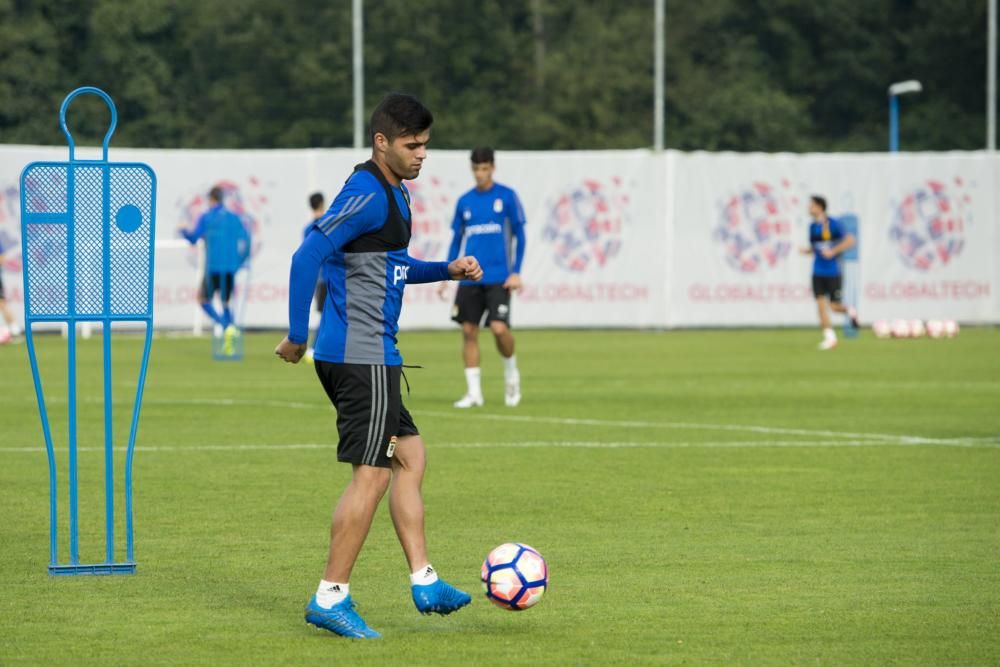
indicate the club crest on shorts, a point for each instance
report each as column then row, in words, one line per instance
column 392, row 447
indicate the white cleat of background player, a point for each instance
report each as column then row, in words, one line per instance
column 512, row 386
column 469, row 401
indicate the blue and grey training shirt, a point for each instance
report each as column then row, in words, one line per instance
column 361, row 245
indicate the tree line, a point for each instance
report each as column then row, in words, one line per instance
column 742, row 75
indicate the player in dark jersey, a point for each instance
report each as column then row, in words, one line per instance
column 488, row 224
column 827, row 240
column 361, row 245
column 317, row 204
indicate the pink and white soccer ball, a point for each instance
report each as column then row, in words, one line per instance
column 882, row 329
column 5, row 336
column 950, row 328
column 917, row 329
column 900, row 329
column 935, row 328
column 515, row 576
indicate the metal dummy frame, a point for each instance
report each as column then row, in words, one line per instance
column 87, row 242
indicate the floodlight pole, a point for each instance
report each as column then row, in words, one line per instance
column 991, row 79
column 357, row 20
column 895, row 90
column 658, row 74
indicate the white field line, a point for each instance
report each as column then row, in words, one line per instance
column 885, row 438
column 531, row 444
column 572, row 421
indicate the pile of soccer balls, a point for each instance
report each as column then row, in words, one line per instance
column 915, row 329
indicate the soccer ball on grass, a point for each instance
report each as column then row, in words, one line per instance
column 515, row 576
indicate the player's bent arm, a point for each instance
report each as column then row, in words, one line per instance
column 519, row 222
column 306, row 263
column 456, row 243
column 427, row 272
column 844, row 245
column 193, row 236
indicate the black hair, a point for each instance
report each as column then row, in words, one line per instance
column 820, row 201
column 315, row 200
column 482, row 154
column 216, row 194
column 399, row 115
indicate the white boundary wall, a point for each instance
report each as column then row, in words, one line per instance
column 615, row 238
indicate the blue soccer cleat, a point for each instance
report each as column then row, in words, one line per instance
column 340, row 619
column 439, row 598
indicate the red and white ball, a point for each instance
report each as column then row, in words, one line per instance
column 900, row 329
column 950, row 328
column 5, row 336
column 515, row 576
column 882, row 329
column 917, row 329
column 935, row 328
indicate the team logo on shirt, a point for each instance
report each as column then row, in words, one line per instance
column 755, row 226
column 928, row 226
column 498, row 205
column 586, row 224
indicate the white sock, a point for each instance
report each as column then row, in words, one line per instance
column 472, row 380
column 424, row 576
column 330, row 593
column 829, row 335
column 510, row 372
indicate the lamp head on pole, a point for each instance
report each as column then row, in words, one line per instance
column 904, row 87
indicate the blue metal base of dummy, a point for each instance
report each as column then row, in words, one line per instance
column 100, row 569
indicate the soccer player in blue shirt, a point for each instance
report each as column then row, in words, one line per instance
column 227, row 246
column 827, row 240
column 488, row 224
column 317, row 203
column 361, row 245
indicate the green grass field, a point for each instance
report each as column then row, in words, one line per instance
column 702, row 498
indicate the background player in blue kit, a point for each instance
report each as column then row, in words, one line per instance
column 13, row 330
column 827, row 240
column 227, row 246
column 489, row 225
column 317, row 203
column 361, row 245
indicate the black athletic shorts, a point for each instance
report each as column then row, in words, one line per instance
column 370, row 411
column 217, row 282
column 320, row 295
column 473, row 301
column 828, row 286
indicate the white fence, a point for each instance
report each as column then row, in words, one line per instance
column 614, row 238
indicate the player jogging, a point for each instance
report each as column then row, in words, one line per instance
column 361, row 245
column 489, row 225
column 227, row 246
column 827, row 241
column 318, row 206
